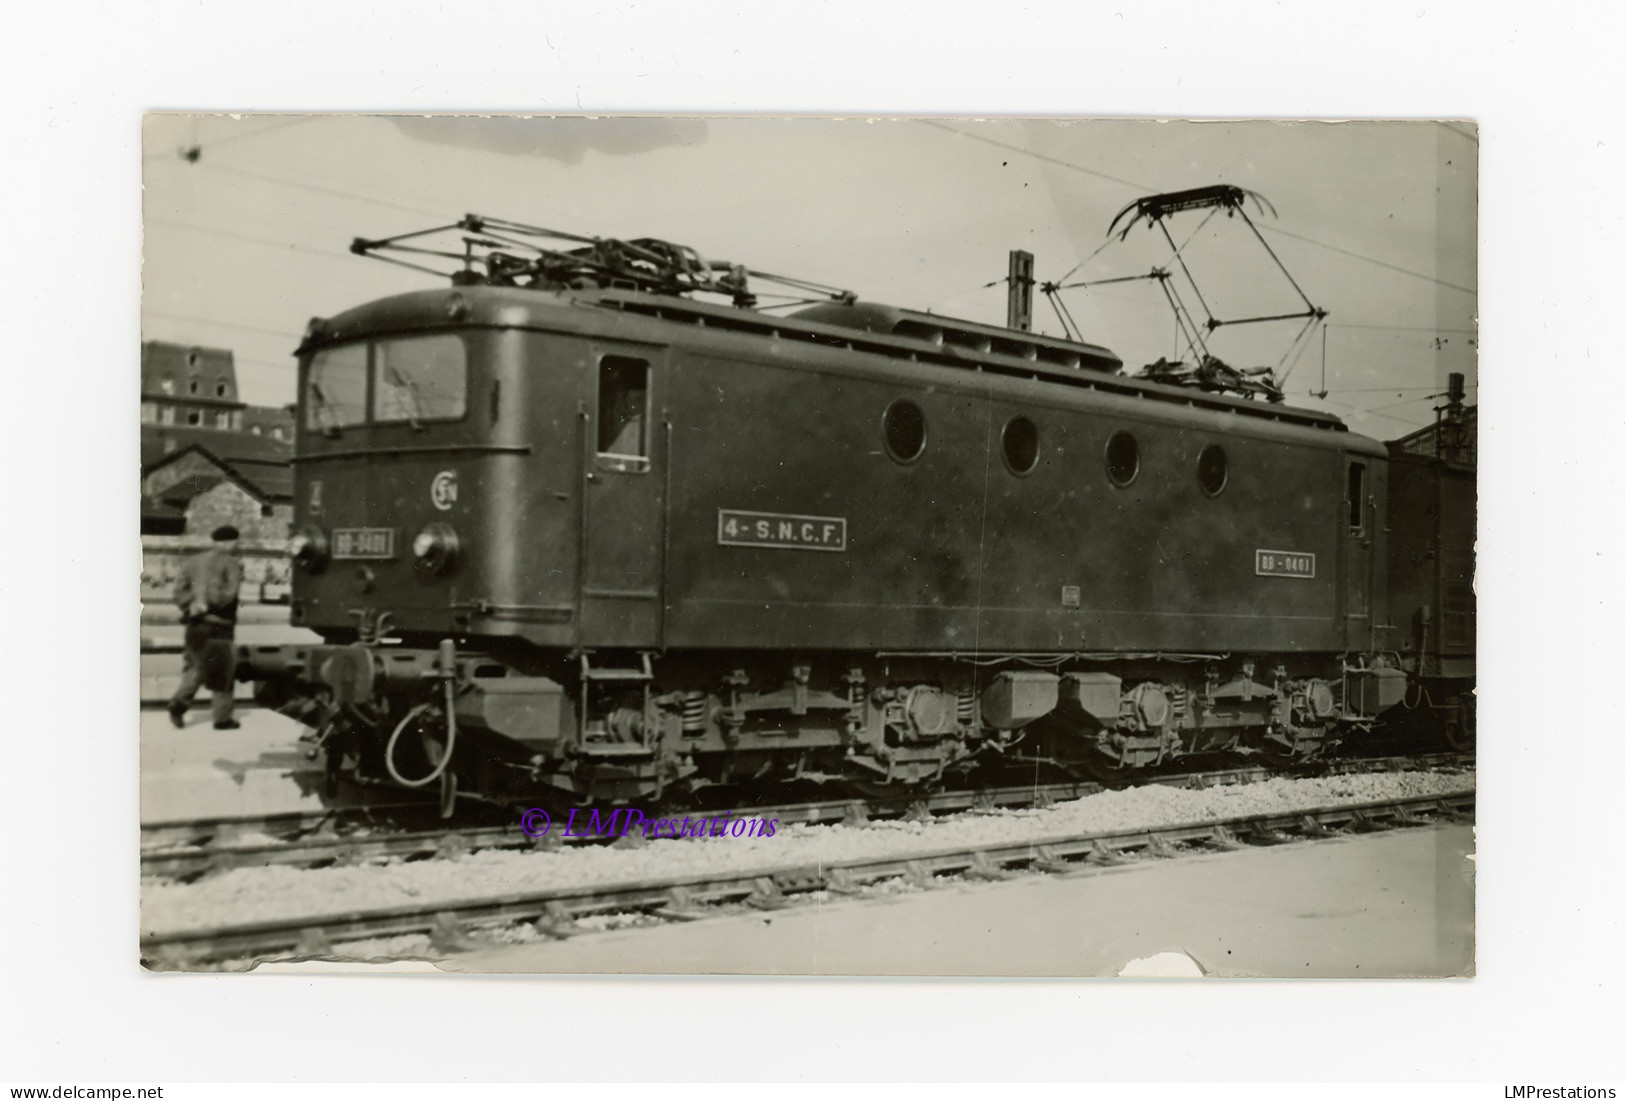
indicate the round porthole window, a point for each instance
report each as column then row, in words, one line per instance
column 1020, row 445
column 1212, row 469
column 1122, row 458
column 905, row 431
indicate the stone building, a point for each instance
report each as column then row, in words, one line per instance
column 187, row 494
column 189, row 396
column 189, row 387
column 208, row 459
column 273, row 421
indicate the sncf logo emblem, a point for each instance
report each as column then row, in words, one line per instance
column 443, row 490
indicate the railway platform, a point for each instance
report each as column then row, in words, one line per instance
column 1389, row 905
column 200, row 772
column 161, row 641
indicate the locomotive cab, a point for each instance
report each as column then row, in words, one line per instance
column 379, row 414
column 478, row 495
column 461, row 474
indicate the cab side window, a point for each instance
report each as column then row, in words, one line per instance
column 623, row 407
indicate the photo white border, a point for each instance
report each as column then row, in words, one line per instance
column 1539, row 80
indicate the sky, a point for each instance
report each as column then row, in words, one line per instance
column 1375, row 221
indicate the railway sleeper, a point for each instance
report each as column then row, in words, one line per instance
column 1159, row 846
column 1224, row 841
column 448, row 933
column 765, row 895
column 682, row 905
column 1105, row 855
column 1050, row 861
column 982, row 867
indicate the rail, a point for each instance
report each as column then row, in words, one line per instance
column 188, row 849
column 687, row 897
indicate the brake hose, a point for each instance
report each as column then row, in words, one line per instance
column 445, row 758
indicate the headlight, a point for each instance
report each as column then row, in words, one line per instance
column 435, row 548
column 308, row 548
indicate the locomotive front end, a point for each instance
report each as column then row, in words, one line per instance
column 403, row 453
column 413, row 482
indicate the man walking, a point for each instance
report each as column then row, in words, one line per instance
column 206, row 592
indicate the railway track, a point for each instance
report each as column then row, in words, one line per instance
column 689, row 897
column 190, row 849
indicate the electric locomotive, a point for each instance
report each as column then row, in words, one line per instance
column 565, row 526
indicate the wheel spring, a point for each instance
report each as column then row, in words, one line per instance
column 693, row 712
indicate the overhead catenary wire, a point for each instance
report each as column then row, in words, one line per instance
column 1432, row 390
column 252, row 362
column 189, row 152
column 1398, row 328
column 248, row 238
column 1038, row 156
column 1373, row 412
column 329, row 191
column 222, row 324
column 1151, row 190
column 1372, row 327
column 963, row 293
column 285, row 123
column 1402, row 404
column 1371, row 260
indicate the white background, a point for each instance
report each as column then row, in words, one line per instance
column 1541, row 81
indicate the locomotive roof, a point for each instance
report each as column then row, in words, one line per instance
column 873, row 317
column 863, row 326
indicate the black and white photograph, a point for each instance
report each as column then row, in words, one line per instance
column 911, row 547
column 647, row 548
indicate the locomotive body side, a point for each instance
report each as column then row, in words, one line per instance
column 564, row 544
column 955, row 549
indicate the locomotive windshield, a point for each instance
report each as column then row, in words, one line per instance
column 413, row 379
column 336, row 388
column 419, row 378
